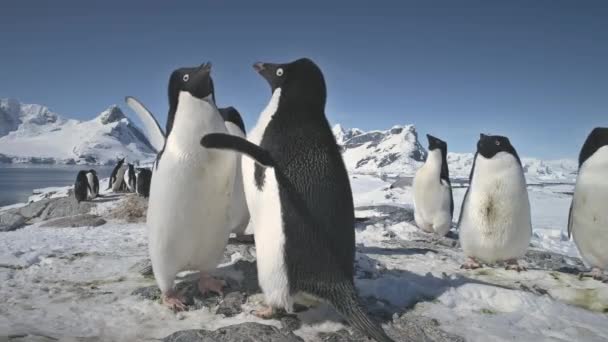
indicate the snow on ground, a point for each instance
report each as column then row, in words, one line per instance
column 77, row 282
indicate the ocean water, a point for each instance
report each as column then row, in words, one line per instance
column 18, row 180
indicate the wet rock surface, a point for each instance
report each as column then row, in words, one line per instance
column 245, row 332
column 84, row 220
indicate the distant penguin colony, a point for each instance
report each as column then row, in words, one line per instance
column 495, row 223
column 81, row 186
column 433, row 202
column 191, row 188
column 299, row 197
column 588, row 219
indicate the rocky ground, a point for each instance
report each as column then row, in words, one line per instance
column 80, row 272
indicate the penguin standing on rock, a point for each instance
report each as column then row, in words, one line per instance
column 144, row 177
column 433, row 202
column 588, row 220
column 93, row 183
column 495, row 223
column 191, row 189
column 116, row 178
column 81, row 186
column 129, row 178
column 239, row 213
column 299, row 197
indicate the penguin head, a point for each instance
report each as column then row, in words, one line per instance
column 93, row 171
column 597, row 139
column 490, row 145
column 120, row 162
column 196, row 81
column 436, row 143
column 300, row 81
column 230, row 114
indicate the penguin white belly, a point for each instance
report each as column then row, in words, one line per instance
column 496, row 223
column 590, row 211
column 239, row 212
column 128, row 180
column 432, row 202
column 120, row 175
column 266, row 218
column 90, row 180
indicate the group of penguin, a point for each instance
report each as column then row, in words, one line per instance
column 495, row 223
column 286, row 178
column 124, row 178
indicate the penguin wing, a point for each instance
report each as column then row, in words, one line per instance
column 570, row 219
column 155, row 134
column 466, row 194
column 230, row 142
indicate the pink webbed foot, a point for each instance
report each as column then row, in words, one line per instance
column 266, row 312
column 513, row 265
column 471, row 264
column 174, row 301
column 209, row 284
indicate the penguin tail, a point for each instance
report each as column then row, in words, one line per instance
column 238, row 144
column 346, row 302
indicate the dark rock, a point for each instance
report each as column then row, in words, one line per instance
column 10, row 221
column 245, row 332
column 143, row 267
column 65, row 206
column 148, row 292
column 84, row 220
column 549, row 261
column 231, row 304
column 290, row 323
column 34, row 209
column 410, row 327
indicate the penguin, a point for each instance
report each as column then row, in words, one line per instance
column 144, row 176
column 116, row 178
column 81, row 186
column 433, row 201
column 239, row 212
column 299, row 197
column 129, row 178
column 588, row 219
column 495, row 223
column 191, row 190
column 93, row 183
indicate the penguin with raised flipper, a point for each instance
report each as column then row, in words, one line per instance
column 588, row 219
column 495, row 223
column 191, row 188
column 93, row 183
column 81, row 186
column 299, row 197
column 433, row 201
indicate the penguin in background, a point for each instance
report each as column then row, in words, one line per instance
column 191, row 188
column 495, row 223
column 81, row 186
column 433, row 201
column 144, row 177
column 239, row 213
column 116, row 178
column 299, row 197
column 129, row 178
column 93, row 183
column 588, row 218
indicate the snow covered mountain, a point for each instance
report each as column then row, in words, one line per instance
column 399, row 151
column 31, row 133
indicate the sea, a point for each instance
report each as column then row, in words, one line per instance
column 18, row 180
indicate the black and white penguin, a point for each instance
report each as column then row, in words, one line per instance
column 299, row 197
column 144, row 177
column 191, row 188
column 129, row 178
column 588, row 219
column 116, row 178
column 239, row 212
column 81, row 186
column 433, row 201
column 93, row 183
column 495, row 223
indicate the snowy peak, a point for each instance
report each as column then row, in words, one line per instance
column 14, row 114
column 112, row 114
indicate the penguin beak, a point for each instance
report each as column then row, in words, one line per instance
column 259, row 67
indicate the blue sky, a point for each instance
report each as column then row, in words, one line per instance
column 535, row 71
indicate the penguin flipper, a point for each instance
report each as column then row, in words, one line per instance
column 238, row 144
column 155, row 134
column 570, row 219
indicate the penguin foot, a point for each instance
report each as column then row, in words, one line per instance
column 513, row 265
column 595, row 273
column 209, row 284
column 471, row 264
column 174, row 302
column 265, row 313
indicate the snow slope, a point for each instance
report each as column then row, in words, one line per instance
column 32, row 133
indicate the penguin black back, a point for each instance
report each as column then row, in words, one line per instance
column 115, row 172
column 81, row 186
column 230, row 114
column 144, row 177
column 436, row 143
column 595, row 140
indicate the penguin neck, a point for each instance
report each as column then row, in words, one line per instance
column 597, row 161
column 265, row 117
column 433, row 161
column 193, row 118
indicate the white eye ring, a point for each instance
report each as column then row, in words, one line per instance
column 280, row 72
column 186, row 77
column 497, row 143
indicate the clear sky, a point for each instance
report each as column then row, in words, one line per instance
column 536, row 71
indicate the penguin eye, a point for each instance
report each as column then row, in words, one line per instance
column 186, row 77
column 280, row 72
column 497, row 143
